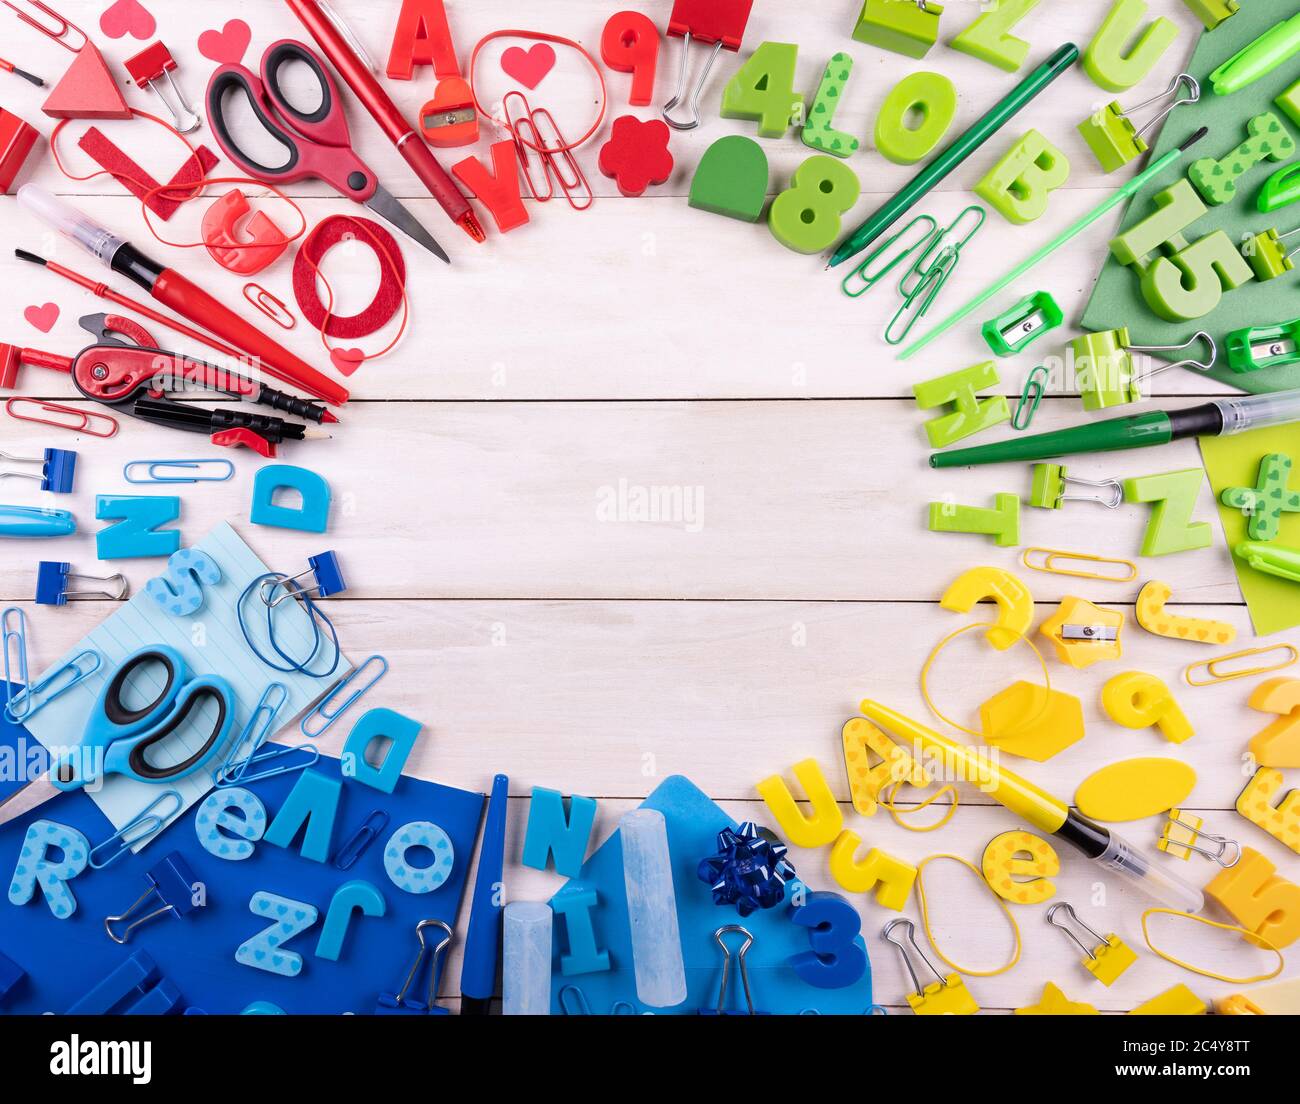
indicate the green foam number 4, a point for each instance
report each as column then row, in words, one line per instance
column 933, row 97
column 989, row 37
column 1002, row 523
column 969, row 414
column 903, row 26
column 732, row 179
column 1191, row 283
column 763, row 90
column 806, row 217
column 818, row 131
column 1174, row 495
column 1217, row 180
column 1268, row 499
column 1019, row 184
column 1105, row 60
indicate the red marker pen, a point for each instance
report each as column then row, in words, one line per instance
column 174, row 290
column 358, row 77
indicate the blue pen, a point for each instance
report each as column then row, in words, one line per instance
column 35, row 521
column 478, row 973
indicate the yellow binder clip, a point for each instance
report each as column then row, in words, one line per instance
column 1211, row 667
column 945, row 996
column 1183, row 835
column 1108, row 959
column 1046, row 559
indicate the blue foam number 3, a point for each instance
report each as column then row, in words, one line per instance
column 265, row 950
column 837, row 958
column 180, row 589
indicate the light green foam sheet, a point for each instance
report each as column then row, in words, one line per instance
column 1117, row 301
column 1234, row 462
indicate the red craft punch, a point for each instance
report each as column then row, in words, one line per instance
column 87, row 90
column 450, row 118
column 630, row 44
column 259, row 244
column 422, row 38
column 720, row 22
column 16, row 141
column 150, row 66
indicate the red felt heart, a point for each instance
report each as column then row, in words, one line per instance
column 226, row 46
column 528, row 67
column 43, row 317
column 127, row 17
column 347, row 361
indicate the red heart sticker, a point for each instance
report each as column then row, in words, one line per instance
column 127, row 17
column 43, row 317
column 226, row 46
column 528, row 67
column 347, row 361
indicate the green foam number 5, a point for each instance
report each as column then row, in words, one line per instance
column 806, row 217
column 763, row 90
column 1191, row 283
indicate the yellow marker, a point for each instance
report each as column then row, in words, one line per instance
column 1014, row 602
column 1021, row 855
column 945, row 996
column 1107, row 959
column 1055, row 1003
column 1138, row 701
column 1151, row 616
column 963, row 763
column 1282, row 998
column 1084, row 634
column 1178, row 1001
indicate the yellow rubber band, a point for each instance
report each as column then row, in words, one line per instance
column 893, row 811
column 925, row 916
column 1249, row 936
column 933, row 657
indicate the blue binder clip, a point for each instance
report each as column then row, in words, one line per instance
column 58, row 469
column 136, row 988
column 747, row 941
column 10, row 975
column 52, row 579
column 173, row 882
column 25, row 704
column 178, row 471
column 390, row 1005
column 144, row 826
column 323, row 570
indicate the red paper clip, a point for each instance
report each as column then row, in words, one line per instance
column 270, row 305
column 552, row 150
column 82, row 421
column 60, row 29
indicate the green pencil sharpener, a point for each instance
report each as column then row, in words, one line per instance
column 1023, row 324
column 1261, row 347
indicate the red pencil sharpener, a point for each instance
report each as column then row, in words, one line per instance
column 16, row 141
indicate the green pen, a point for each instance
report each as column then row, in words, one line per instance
column 1258, row 59
column 988, row 125
column 1218, row 418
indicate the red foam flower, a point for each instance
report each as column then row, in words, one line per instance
column 636, row 154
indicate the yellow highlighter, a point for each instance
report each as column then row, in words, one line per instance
column 962, row 763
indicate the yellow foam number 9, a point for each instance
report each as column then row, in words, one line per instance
column 1136, row 700
column 806, row 218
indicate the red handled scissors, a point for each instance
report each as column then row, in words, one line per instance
column 317, row 143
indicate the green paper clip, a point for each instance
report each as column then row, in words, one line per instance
column 1271, row 559
column 1104, row 367
column 909, row 27
column 863, row 278
column 1113, row 137
column 1212, row 12
column 1266, row 254
column 921, row 285
column 1282, row 188
column 1050, row 482
column 1023, row 324
column 1259, row 347
column 1031, row 397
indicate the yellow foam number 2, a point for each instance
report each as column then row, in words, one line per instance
column 806, row 218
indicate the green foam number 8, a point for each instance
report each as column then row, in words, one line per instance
column 806, row 217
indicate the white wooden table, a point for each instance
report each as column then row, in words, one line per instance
column 649, row 344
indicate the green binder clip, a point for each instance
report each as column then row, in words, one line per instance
column 908, row 27
column 1281, row 189
column 1266, row 254
column 1104, row 369
column 1023, row 324
column 1051, row 484
column 1212, row 12
column 1259, row 347
column 1116, row 140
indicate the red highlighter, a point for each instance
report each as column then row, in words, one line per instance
column 357, row 76
column 172, row 289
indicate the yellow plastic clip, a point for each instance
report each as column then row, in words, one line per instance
column 1050, row 556
column 1182, row 833
column 1084, row 634
column 945, row 996
column 1108, row 959
column 1211, row 666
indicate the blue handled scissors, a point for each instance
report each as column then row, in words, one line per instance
column 121, row 739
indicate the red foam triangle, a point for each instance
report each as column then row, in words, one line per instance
column 87, row 90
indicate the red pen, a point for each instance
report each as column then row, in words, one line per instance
column 173, row 290
column 357, row 76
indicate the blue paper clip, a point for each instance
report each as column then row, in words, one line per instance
column 58, row 469
column 330, row 715
column 325, row 572
column 234, row 771
column 155, row 471
column 150, row 816
column 28, row 702
column 363, row 837
column 53, row 577
column 573, row 1001
column 13, row 628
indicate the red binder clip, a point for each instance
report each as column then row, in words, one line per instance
column 153, row 63
column 720, row 22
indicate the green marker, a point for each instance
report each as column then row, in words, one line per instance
column 1257, row 60
column 1218, row 418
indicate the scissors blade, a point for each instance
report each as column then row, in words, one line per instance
column 384, row 205
column 37, row 792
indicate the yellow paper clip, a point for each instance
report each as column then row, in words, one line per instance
column 1182, row 833
column 1211, row 666
column 1051, row 555
column 1108, row 959
column 946, row 996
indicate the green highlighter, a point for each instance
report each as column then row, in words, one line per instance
column 1218, row 418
